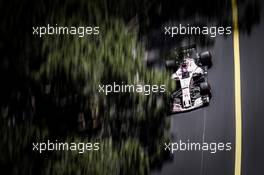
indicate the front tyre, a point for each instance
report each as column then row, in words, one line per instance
column 205, row 88
column 205, row 91
column 206, row 100
column 173, row 101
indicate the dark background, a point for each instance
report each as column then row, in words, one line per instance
column 49, row 87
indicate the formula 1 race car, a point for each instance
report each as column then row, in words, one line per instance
column 190, row 73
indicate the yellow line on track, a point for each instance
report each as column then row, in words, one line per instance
column 238, row 112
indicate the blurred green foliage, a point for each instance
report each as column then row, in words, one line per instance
column 50, row 84
column 63, row 93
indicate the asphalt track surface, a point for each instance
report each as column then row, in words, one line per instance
column 252, row 83
column 214, row 123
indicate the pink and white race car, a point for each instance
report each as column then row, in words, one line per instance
column 190, row 73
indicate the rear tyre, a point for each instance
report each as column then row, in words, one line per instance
column 206, row 59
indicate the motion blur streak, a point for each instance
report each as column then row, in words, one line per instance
column 238, row 112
